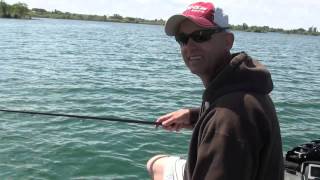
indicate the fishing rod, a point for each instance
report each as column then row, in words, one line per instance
column 83, row 117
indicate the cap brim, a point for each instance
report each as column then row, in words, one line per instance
column 173, row 23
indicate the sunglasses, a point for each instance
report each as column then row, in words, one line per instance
column 197, row 36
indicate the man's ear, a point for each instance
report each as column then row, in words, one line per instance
column 229, row 40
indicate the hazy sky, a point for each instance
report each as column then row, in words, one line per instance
column 286, row 14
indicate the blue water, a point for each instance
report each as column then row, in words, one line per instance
column 130, row 71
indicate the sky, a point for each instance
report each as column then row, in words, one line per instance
column 286, row 14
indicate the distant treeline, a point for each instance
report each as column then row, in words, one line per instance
column 264, row 29
column 56, row 14
column 20, row 10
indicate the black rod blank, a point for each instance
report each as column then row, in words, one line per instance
column 83, row 117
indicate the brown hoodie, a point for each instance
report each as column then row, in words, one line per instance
column 236, row 135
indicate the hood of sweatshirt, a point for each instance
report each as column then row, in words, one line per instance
column 241, row 74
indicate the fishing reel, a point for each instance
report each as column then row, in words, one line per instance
column 304, row 161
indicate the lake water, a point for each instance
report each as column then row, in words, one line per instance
column 129, row 71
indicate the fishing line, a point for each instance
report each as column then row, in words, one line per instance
column 83, row 117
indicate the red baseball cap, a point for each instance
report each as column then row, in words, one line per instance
column 203, row 14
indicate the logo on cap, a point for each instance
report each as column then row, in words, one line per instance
column 196, row 9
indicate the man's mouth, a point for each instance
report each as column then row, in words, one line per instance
column 195, row 58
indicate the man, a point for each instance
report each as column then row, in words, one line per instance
column 236, row 134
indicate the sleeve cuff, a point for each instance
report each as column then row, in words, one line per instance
column 194, row 115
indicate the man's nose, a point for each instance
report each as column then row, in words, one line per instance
column 190, row 44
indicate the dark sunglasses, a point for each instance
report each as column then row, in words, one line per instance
column 197, row 36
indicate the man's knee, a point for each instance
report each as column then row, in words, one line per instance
column 155, row 165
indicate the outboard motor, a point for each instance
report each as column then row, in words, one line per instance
column 303, row 162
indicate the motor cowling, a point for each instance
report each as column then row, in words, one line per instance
column 304, row 160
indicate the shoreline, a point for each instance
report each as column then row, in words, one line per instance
column 234, row 28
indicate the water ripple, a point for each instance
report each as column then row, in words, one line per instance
column 124, row 70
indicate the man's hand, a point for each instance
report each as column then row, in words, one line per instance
column 176, row 120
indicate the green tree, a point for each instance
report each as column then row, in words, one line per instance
column 130, row 19
column 315, row 30
column 301, row 30
column 57, row 12
column 245, row 26
column 116, row 16
column 265, row 28
column 39, row 10
column 4, row 9
column 19, row 10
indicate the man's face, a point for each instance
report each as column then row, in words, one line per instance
column 203, row 58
